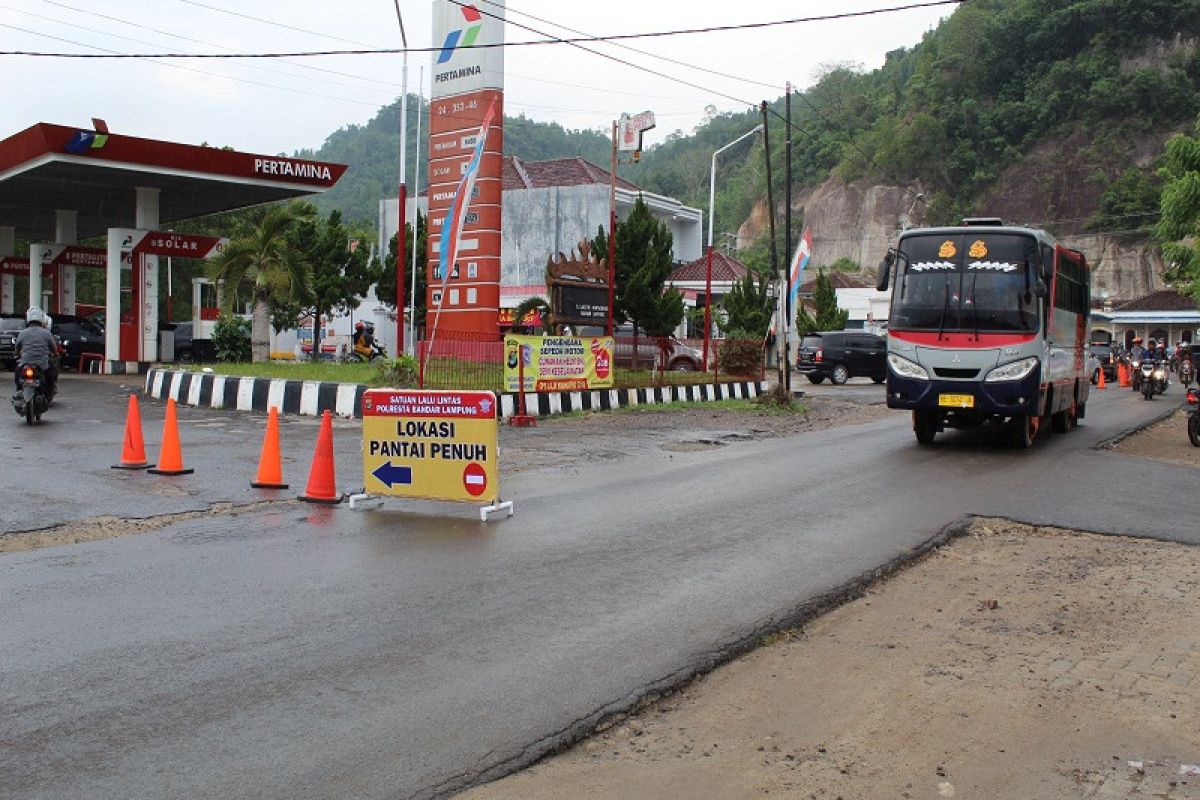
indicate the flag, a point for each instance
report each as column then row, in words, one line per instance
column 799, row 262
column 453, row 224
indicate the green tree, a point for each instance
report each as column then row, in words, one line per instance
column 1178, row 230
column 643, row 264
column 828, row 317
column 341, row 273
column 749, row 306
column 805, row 323
column 266, row 261
column 385, row 289
column 527, row 306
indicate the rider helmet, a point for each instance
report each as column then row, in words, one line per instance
column 35, row 314
column 359, row 326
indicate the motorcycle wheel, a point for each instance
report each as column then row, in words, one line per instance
column 1194, row 429
column 30, row 417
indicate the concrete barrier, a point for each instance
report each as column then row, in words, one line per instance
column 313, row 398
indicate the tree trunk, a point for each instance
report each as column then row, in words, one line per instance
column 260, row 332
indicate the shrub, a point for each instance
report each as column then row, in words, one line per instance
column 741, row 353
column 399, row 373
column 231, row 338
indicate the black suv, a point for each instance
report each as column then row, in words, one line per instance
column 77, row 335
column 842, row 355
column 10, row 326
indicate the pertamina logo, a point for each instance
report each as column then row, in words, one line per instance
column 463, row 37
column 83, row 141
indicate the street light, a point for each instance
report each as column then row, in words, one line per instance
column 712, row 192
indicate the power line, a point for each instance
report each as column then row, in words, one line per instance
column 232, row 13
column 485, row 46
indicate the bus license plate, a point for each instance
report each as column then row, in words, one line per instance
column 956, row 400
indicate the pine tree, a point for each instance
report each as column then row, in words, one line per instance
column 829, row 316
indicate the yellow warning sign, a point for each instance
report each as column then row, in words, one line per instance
column 439, row 445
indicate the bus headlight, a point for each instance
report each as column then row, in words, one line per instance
column 1013, row 371
column 907, row 369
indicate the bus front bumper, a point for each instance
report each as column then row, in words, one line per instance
column 1003, row 399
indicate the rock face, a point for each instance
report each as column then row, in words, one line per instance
column 859, row 221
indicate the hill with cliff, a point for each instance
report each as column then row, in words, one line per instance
column 1037, row 111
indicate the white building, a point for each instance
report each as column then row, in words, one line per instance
column 548, row 208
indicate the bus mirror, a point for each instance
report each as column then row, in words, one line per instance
column 1040, row 289
column 885, row 271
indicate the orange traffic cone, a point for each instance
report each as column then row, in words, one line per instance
column 170, row 455
column 1123, row 379
column 133, row 453
column 270, row 464
column 1100, row 380
column 322, row 487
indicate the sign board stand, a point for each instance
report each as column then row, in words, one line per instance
column 431, row 445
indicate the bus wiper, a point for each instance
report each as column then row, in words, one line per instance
column 945, row 308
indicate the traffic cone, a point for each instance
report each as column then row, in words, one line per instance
column 1123, row 377
column 170, row 454
column 270, row 464
column 1100, row 380
column 133, row 452
column 322, row 487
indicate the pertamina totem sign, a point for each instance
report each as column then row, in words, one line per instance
column 466, row 82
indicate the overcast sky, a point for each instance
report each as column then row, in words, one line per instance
column 278, row 106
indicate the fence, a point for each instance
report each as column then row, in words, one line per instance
column 460, row 360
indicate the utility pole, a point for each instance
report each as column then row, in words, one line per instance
column 771, row 229
column 612, row 227
column 788, row 314
column 401, row 234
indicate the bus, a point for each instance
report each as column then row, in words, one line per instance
column 988, row 327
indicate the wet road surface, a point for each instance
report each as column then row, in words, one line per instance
column 296, row 651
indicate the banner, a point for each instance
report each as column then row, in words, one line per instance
column 799, row 262
column 558, row 363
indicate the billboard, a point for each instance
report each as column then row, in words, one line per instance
column 466, row 79
column 558, row 363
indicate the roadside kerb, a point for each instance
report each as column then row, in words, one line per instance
column 313, row 398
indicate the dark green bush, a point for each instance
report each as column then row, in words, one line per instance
column 398, row 373
column 741, row 353
column 231, row 338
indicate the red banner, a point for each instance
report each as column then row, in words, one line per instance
column 181, row 245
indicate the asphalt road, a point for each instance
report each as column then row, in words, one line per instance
column 296, row 651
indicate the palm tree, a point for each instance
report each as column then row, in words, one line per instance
column 266, row 260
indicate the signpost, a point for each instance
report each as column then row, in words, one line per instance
column 433, row 445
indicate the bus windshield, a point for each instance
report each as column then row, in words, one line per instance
column 975, row 282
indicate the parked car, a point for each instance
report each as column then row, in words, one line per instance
column 10, row 326
column 842, row 355
column 77, row 335
column 652, row 352
column 1106, row 361
column 184, row 353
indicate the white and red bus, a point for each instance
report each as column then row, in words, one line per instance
column 988, row 326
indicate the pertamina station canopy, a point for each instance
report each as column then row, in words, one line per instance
column 60, row 184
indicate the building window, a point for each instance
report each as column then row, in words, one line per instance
column 454, row 297
column 472, row 296
column 472, row 269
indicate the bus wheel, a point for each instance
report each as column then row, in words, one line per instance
column 925, row 426
column 1025, row 431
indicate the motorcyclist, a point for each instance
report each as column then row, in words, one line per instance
column 1137, row 352
column 36, row 345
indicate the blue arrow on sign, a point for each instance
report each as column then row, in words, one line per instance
column 390, row 474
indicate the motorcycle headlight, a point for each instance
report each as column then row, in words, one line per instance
column 907, row 369
column 1013, row 371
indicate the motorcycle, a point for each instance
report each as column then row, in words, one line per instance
column 364, row 351
column 1135, row 374
column 1187, row 373
column 31, row 400
column 1193, row 416
column 1154, row 378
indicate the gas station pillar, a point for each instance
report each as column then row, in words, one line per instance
column 37, row 254
column 147, row 315
column 8, row 243
column 64, row 278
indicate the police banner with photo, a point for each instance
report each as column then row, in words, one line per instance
column 558, row 363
